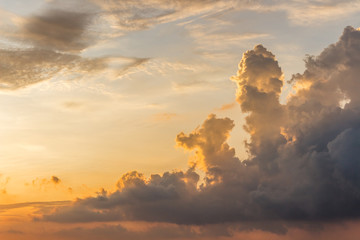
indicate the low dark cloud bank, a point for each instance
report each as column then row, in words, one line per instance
column 304, row 156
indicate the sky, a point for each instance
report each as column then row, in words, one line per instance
column 179, row 119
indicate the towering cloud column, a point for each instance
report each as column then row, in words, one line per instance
column 259, row 81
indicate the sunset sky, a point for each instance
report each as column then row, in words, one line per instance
column 179, row 119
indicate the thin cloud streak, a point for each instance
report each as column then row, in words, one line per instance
column 4, row 207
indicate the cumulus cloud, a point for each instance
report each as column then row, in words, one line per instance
column 303, row 164
column 213, row 153
column 259, row 81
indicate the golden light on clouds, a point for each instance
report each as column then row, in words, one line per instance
column 97, row 97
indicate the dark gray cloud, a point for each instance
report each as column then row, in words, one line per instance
column 55, row 179
column 304, row 157
column 60, row 30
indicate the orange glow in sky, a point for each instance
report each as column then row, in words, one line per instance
column 156, row 119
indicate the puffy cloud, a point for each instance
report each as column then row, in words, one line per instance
column 312, row 181
column 179, row 196
column 259, row 81
column 150, row 199
column 213, row 154
column 303, row 164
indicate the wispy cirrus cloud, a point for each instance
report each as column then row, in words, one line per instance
column 227, row 106
column 4, row 207
column 22, row 67
column 311, row 12
column 133, row 15
column 218, row 38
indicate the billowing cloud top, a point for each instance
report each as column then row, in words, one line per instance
column 304, row 156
